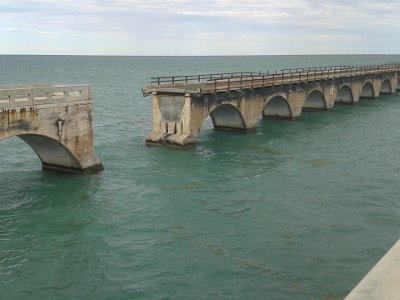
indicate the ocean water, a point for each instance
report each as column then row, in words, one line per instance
column 296, row 210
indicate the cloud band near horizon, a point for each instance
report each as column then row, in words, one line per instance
column 188, row 27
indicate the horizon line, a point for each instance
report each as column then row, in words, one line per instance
column 203, row 55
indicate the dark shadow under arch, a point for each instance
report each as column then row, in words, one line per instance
column 368, row 91
column 345, row 95
column 51, row 153
column 227, row 117
column 315, row 100
column 277, row 107
column 386, row 87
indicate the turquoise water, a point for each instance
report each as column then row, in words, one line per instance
column 296, row 210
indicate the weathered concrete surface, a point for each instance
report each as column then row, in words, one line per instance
column 179, row 114
column 383, row 281
column 56, row 121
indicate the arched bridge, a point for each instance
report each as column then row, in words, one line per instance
column 236, row 101
column 55, row 120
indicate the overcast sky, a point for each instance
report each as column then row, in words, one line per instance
column 199, row 27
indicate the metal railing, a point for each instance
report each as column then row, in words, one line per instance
column 297, row 75
column 201, row 78
column 242, row 80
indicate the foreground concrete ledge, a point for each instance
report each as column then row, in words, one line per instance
column 383, row 281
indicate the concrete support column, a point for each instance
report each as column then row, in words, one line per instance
column 377, row 83
column 393, row 83
column 159, row 128
column 330, row 94
column 174, row 121
column 296, row 100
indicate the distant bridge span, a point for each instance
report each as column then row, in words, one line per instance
column 236, row 101
column 55, row 120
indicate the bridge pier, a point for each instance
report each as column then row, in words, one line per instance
column 55, row 121
column 177, row 119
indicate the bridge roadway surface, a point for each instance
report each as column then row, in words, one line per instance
column 226, row 82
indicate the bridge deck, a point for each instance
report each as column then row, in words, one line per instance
column 225, row 82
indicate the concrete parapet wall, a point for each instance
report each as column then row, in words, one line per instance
column 383, row 281
column 23, row 95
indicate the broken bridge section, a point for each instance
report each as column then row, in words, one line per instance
column 236, row 101
column 55, row 121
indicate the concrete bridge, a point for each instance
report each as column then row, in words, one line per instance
column 236, row 101
column 55, row 120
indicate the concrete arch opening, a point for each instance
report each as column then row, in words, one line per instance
column 315, row 100
column 386, row 87
column 51, row 153
column 398, row 85
column 368, row 91
column 345, row 95
column 227, row 117
column 277, row 108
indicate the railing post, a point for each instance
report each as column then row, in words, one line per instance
column 173, row 80
column 158, row 80
column 273, row 79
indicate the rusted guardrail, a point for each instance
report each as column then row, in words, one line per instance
column 202, row 77
column 298, row 75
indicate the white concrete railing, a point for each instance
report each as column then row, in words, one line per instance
column 23, row 95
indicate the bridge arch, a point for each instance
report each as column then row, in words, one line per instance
column 315, row 100
column 277, row 107
column 368, row 90
column 398, row 85
column 345, row 95
column 227, row 117
column 386, row 87
column 52, row 153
